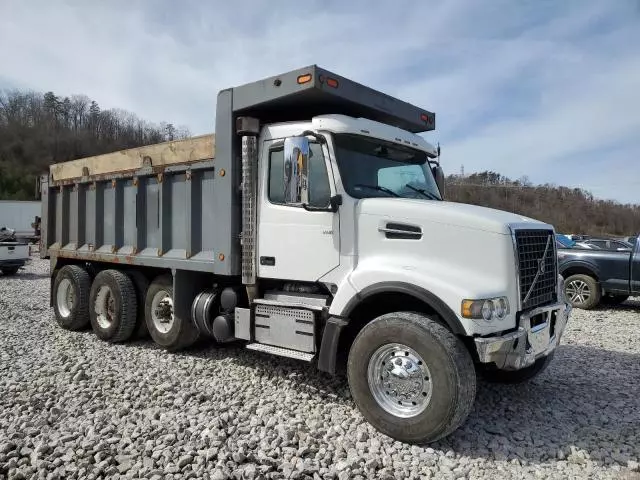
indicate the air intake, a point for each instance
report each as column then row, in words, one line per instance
column 401, row 231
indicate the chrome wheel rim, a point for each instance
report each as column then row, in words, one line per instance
column 578, row 291
column 162, row 311
column 65, row 297
column 105, row 307
column 399, row 380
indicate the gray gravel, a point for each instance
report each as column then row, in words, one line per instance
column 72, row 406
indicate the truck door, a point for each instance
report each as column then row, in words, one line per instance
column 614, row 269
column 635, row 269
column 294, row 243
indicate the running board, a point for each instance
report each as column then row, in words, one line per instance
column 282, row 352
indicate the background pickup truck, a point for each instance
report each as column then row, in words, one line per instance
column 13, row 255
column 592, row 277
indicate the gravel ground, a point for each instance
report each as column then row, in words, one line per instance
column 72, row 406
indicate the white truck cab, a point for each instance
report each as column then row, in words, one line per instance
column 313, row 225
column 392, row 220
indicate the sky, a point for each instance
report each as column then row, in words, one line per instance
column 546, row 89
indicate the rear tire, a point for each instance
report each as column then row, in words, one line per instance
column 8, row 271
column 167, row 330
column 141, row 284
column 582, row 291
column 494, row 375
column 70, row 295
column 114, row 306
column 411, row 378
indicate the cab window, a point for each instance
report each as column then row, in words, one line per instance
column 319, row 187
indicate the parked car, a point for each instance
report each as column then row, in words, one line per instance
column 562, row 241
column 13, row 256
column 586, row 246
column 609, row 244
column 599, row 276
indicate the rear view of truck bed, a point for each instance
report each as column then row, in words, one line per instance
column 134, row 206
column 13, row 255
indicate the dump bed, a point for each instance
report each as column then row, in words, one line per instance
column 164, row 205
column 158, row 155
column 145, row 206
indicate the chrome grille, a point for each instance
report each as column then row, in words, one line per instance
column 538, row 275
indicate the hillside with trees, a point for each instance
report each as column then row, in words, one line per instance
column 569, row 210
column 38, row 129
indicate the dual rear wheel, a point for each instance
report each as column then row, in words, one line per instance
column 120, row 306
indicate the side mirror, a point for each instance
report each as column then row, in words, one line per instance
column 438, row 174
column 296, row 170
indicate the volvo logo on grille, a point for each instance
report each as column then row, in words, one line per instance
column 542, row 263
column 541, row 269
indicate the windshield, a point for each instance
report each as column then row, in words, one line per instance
column 565, row 241
column 374, row 168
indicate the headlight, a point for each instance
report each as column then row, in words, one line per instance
column 487, row 309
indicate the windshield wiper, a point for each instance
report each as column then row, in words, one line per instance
column 424, row 192
column 379, row 188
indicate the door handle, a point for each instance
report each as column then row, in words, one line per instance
column 268, row 261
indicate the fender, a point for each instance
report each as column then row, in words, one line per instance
column 425, row 296
column 578, row 263
column 335, row 324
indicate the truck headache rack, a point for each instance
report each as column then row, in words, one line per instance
column 306, row 92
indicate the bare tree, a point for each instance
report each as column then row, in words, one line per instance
column 571, row 210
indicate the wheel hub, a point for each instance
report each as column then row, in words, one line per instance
column 399, row 380
column 65, row 297
column 578, row 291
column 105, row 307
column 162, row 311
column 403, row 378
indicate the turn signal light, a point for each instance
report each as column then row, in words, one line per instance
column 304, row 78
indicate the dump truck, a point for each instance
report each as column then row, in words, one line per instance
column 310, row 225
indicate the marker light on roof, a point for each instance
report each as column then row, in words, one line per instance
column 426, row 118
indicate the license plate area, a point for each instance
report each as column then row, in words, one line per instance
column 540, row 332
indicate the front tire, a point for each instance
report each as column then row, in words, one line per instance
column 166, row 329
column 113, row 306
column 582, row 291
column 411, row 378
column 8, row 271
column 495, row 375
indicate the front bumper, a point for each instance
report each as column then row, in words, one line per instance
column 537, row 336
